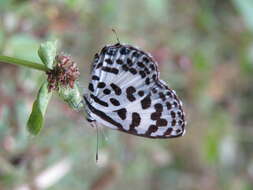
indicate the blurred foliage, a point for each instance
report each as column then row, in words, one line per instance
column 205, row 52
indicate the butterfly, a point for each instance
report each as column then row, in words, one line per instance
column 126, row 94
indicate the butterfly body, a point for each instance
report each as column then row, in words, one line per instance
column 125, row 93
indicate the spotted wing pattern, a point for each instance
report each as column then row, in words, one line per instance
column 125, row 93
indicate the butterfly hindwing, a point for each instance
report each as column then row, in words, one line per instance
column 126, row 94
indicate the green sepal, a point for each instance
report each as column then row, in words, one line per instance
column 36, row 119
column 47, row 52
column 72, row 96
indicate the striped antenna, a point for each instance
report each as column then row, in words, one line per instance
column 114, row 31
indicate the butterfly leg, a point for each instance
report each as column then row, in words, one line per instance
column 93, row 124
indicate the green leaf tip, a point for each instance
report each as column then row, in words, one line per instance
column 47, row 52
column 72, row 96
column 36, row 120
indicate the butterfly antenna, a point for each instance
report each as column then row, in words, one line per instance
column 97, row 144
column 114, row 31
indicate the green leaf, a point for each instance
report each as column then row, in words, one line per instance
column 36, row 119
column 72, row 96
column 47, row 53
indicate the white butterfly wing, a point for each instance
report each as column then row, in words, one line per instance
column 126, row 94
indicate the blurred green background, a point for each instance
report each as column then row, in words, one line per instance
column 205, row 51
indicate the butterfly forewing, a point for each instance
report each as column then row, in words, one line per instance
column 127, row 94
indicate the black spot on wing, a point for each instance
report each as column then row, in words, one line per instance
column 96, row 57
column 116, row 89
column 155, row 115
column 154, row 90
column 147, row 81
column 125, row 67
column 106, row 91
column 145, row 59
column 162, row 96
column 97, row 100
column 152, row 67
column 136, row 54
column 101, row 85
column 114, row 102
column 136, row 120
column 151, row 129
column 173, row 114
column 154, row 77
column 129, row 62
column 168, row 93
column 99, row 65
column 133, row 71
column 141, row 93
column 119, row 61
column 109, row 61
column 178, row 130
column 158, row 107
column 121, row 113
column 91, row 88
column 142, row 73
column 124, row 51
column 175, row 104
column 161, row 122
column 111, row 51
column 147, row 71
column 110, row 70
column 94, row 77
column 104, row 49
column 146, row 102
column 168, row 104
column 168, row 131
column 140, row 64
column 130, row 91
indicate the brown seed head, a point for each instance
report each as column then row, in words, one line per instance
column 64, row 73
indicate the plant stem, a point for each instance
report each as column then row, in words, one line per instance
column 12, row 60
